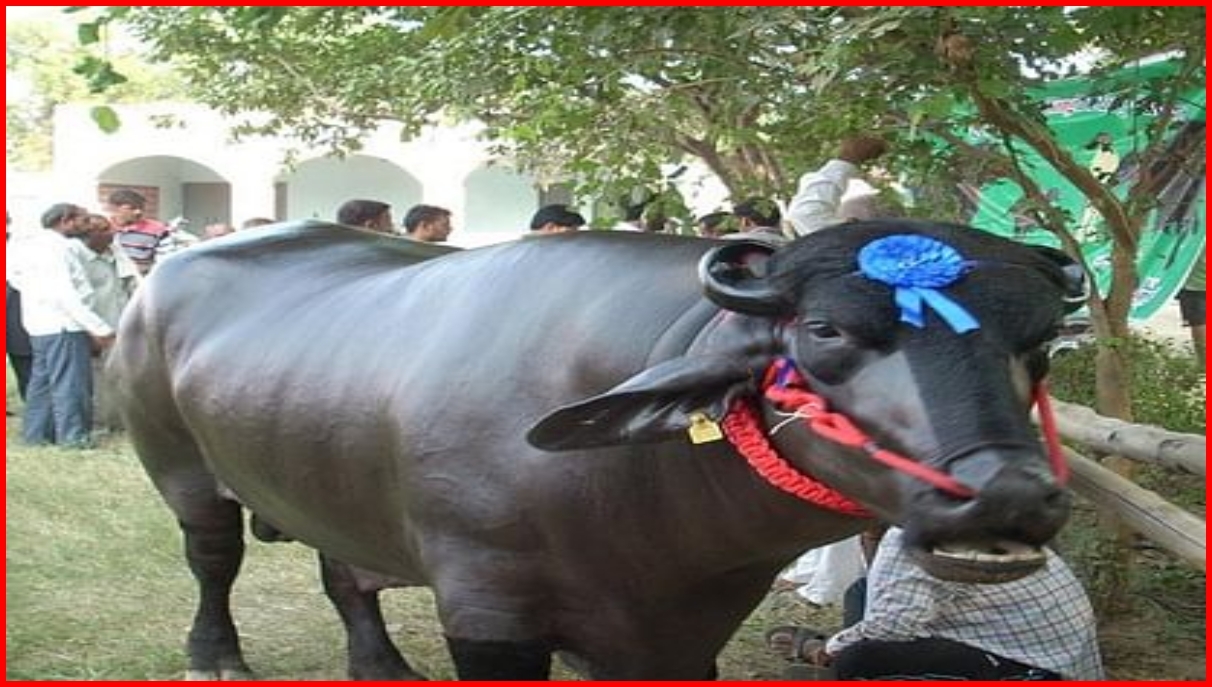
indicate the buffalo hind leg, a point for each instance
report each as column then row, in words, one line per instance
column 480, row 660
column 214, row 547
column 372, row 655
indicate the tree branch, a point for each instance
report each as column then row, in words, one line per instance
column 1003, row 116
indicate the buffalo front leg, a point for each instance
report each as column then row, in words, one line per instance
column 214, row 547
column 372, row 655
column 485, row 660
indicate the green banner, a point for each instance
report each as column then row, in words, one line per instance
column 1105, row 135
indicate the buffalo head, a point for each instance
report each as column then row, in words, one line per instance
column 929, row 338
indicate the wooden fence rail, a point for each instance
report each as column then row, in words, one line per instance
column 1171, row 527
column 1138, row 442
column 1163, row 523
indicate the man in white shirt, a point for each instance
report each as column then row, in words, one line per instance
column 64, row 330
column 819, row 199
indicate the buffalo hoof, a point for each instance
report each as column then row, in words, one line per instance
column 993, row 563
column 222, row 674
column 393, row 673
column 576, row 664
column 398, row 677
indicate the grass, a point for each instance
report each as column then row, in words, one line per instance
column 97, row 589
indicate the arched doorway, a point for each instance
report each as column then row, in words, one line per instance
column 317, row 187
column 174, row 187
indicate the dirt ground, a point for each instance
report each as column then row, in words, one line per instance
column 1166, row 324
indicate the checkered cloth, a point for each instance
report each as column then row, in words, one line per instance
column 1043, row 620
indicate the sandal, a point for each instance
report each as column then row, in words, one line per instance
column 781, row 585
column 795, row 642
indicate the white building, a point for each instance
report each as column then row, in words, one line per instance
column 183, row 159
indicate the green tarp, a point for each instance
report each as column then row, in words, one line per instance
column 1104, row 135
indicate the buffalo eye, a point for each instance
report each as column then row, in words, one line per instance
column 821, row 329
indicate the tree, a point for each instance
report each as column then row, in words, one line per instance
column 961, row 68
column 600, row 95
column 605, row 95
column 42, row 55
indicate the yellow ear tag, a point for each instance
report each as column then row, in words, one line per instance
column 703, row 430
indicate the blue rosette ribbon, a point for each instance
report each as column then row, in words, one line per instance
column 916, row 267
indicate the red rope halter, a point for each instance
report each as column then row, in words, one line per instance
column 787, row 389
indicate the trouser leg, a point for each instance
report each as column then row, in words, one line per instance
column 929, row 658
column 63, row 374
column 23, row 365
column 854, row 602
column 38, row 423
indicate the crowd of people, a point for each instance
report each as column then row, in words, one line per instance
column 66, row 287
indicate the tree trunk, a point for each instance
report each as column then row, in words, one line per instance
column 1113, row 399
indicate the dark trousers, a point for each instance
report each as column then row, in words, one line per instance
column 854, row 602
column 929, row 659
column 23, row 366
column 59, row 400
column 1191, row 305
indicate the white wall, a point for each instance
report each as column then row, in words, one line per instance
column 27, row 195
column 444, row 166
column 318, row 187
column 499, row 206
column 439, row 167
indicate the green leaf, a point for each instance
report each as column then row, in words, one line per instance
column 88, row 33
column 445, row 24
column 106, row 118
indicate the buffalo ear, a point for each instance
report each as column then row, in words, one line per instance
column 734, row 278
column 1075, row 285
column 655, row 405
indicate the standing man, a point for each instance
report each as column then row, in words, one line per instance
column 252, row 222
column 16, row 339
column 427, row 223
column 1192, row 304
column 216, row 230
column 715, row 224
column 555, row 219
column 139, row 236
column 372, row 215
column 111, row 275
column 64, row 330
column 759, row 218
column 113, row 278
column 818, row 200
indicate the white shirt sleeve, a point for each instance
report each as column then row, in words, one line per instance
column 816, row 200
column 55, row 289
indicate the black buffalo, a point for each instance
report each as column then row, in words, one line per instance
column 509, row 426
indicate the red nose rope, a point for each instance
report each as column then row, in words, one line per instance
column 788, row 390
